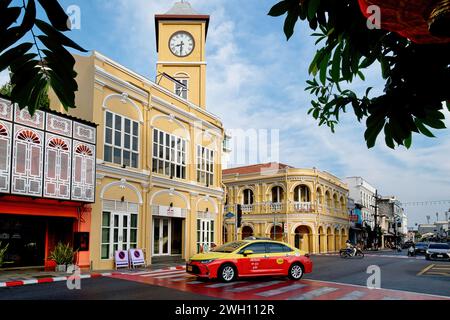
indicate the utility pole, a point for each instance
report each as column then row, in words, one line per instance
column 376, row 219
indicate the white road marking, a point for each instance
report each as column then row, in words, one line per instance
column 173, row 275
column 354, row 295
column 391, row 298
column 33, row 281
column 282, row 290
column 158, row 275
column 314, row 293
column 221, row 285
column 253, row 286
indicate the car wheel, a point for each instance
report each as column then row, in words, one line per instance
column 295, row 271
column 227, row 273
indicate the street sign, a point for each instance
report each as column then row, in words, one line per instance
column 229, row 215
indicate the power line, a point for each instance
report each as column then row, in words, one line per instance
column 425, row 203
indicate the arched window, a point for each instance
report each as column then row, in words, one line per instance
column 83, row 172
column 182, row 85
column 247, row 231
column 319, row 196
column 328, row 198
column 57, row 168
column 248, row 196
column 335, row 201
column 28, row 162
column 302, row 194
column 5, row 158
column 277, row 194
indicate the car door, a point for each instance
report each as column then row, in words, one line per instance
column 255, row 263
column 277, row 257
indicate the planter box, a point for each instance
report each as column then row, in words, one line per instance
column 61, row 268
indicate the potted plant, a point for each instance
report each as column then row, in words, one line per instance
column 63, row 255
column 2, row 253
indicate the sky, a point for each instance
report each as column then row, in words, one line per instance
column 256, row 80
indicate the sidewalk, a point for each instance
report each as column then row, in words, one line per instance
column 17, row 278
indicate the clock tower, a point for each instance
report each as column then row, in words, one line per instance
column 180, row 43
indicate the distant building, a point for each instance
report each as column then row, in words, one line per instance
column 393, row 220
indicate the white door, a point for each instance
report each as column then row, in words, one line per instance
column 120, row 237
column 205, row 234
column 162, row 236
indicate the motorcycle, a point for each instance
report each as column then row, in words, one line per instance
column 411, row 252
column 346, row 253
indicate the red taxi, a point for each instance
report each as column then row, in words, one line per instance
column 250, row 258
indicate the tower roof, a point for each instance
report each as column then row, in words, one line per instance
column 181, row 11
column 182, row 8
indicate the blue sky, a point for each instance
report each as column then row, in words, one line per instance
column 256, row 79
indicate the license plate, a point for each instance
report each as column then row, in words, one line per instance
column 440, row 255
column 189, row 268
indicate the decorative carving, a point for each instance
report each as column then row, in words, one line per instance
column 24, row 117
column 83, row 132
column 5, row 110
column 59, row 125
column 29, row 136
column 58, row 143
column 124, row 98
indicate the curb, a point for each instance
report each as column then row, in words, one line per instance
column 19, row 283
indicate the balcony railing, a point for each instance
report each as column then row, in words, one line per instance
column 303, row 207
column 247, row 208
column 275, row 206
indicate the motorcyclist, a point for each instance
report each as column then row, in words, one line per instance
column 350, row 247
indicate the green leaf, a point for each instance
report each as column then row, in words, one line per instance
column 279, row 9
column 434, row 123
column 388, row 136
column 29, row 17
column 313, row 6
column 4, row 4
column 448, row 105
column 57, row 36
column 324, row 67
column 56, row 14
column 8, row 16
column 14, row 53
column 408, row 142
column 361, row 75
column 336, row 64
column 289, row 23
column 10, row 36
column 385, row 68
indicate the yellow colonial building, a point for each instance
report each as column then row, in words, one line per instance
column 158, row 149
column 305, row 207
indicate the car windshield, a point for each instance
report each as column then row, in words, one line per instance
column 230, row 247
column 439, row 246
column 421, row 245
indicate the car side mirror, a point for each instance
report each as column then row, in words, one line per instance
column 247, row 252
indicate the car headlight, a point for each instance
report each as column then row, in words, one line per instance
column 207, row 261
column 428, row 252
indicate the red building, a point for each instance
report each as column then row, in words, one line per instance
column 47, row 181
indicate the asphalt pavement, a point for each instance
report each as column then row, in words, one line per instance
column 331, row 274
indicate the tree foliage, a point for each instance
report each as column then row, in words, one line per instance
column 416, row 76
column 43, row 62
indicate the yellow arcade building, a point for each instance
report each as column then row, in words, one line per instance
column 159, row 150
column 306, row 208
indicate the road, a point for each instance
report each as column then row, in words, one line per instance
column 333, row 279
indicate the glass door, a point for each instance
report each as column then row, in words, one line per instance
column 161, row 236
column 205, row 234
column 120, row 234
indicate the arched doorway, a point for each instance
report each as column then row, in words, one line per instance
column 343, row 238
column 247, row 231
column 276, row 233
column 337, row 239
column 322, row 240
column 330, row 240
column 303, row 238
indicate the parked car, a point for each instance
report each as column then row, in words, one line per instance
column 250, row 258
column 407, row 244
column 438, row 251
column 421, row 247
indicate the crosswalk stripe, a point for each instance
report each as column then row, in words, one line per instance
column 354, row 295
column 282, row 290
column 173, row 275
column 254, row 286
column 221, row 285
column 194, row 282
column 158, row 275
column 391, row 298
column 314, row 293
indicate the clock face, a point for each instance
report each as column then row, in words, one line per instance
column 181, row 43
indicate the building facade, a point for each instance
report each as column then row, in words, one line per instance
column 47, row 183
column 305, row 207
column 393, row 221
column 159, row 152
